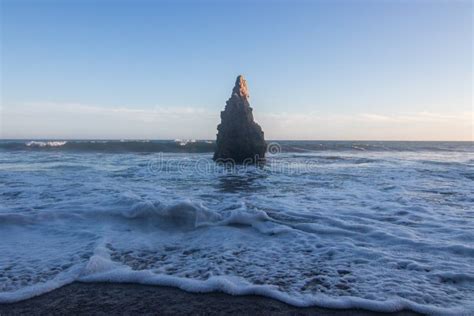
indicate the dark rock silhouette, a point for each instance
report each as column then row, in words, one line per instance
column 239, row 138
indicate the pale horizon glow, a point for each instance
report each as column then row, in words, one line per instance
column 319, row 70
column 80, row 121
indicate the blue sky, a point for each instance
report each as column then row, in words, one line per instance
column 164, row 69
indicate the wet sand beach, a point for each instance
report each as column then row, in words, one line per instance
column 114, row 298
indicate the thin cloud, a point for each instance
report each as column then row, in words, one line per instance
column 75, row 120
column 419, row 117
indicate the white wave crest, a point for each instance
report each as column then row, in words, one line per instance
column 46, row 144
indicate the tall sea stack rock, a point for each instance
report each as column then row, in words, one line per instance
column 239, row 138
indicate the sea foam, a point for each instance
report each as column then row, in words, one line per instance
column 45, row 144
column 383, row 230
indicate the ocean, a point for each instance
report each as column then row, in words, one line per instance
column 383, row 226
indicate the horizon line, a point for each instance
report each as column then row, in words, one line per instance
column 208, row 139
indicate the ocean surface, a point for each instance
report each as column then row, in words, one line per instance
column 375, row 225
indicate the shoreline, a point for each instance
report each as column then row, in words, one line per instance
column 127, row 298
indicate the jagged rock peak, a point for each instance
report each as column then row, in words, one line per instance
column 240, row 88
column 239, row 138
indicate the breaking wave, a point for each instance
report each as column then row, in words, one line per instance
column 45, row 144
column 372, row 229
